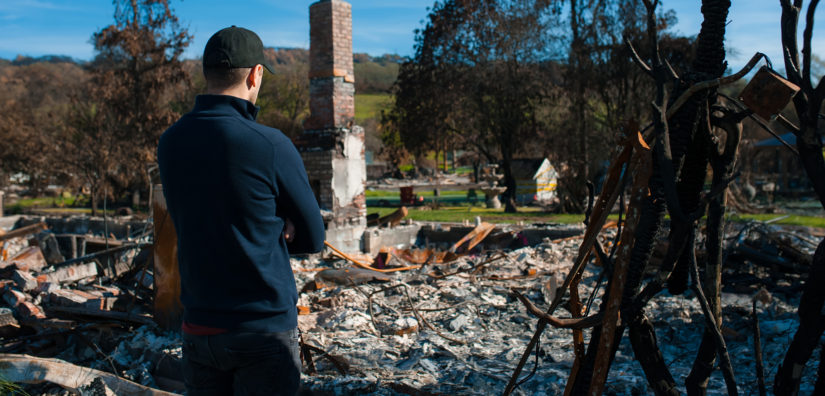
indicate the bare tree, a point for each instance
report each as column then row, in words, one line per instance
column 134, row 75
column 682, row 133
column 34, row 104
column 809, row 135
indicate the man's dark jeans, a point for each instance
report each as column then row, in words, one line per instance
column 242, row 364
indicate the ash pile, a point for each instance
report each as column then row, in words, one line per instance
column 77, row 308
column 456, row 327
column 439, row 318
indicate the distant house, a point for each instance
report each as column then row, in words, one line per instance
column 771, row 163
column 376, row 168
column 536, row 179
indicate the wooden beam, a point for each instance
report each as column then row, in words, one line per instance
column 23, row 231
column 168, row 308
column 34, row 370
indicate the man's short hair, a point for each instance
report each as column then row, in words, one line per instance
column 220, row 78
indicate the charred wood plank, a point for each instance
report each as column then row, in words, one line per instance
column 641, row 166
column 24, row 231
column 34, row 370
column 101, row 314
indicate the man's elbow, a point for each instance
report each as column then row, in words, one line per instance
column 319, row 235
column 317, row 244
column 313, row 238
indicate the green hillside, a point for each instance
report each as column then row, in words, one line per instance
column 369, row 105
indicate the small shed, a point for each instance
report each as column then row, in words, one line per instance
column 536, row 179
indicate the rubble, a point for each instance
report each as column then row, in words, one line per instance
column 439, row 318
column 68, row 308
column 424, row 333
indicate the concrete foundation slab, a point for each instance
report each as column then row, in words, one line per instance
column 399, row 237
column 346, row 238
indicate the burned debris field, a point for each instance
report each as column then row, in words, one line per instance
column 443, row 317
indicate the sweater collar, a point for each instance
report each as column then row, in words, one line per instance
column 225, row 102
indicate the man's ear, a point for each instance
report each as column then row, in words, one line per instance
column 255, row 73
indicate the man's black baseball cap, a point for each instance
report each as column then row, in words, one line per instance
column 234, row 47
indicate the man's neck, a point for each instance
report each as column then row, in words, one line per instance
column 239, row 92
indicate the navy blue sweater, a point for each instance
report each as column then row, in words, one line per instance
column 229, row 183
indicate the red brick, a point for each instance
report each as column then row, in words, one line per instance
column 30, row 311
column 331, row 69
column 30, row 259
column 67, row 298
column 45, row 287
column 24, row 280
column 5, row 284
column 14, row 297
column 72, row 273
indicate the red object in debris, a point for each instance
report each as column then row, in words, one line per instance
column 379, row 262
column 407, row 196
column 381, row 259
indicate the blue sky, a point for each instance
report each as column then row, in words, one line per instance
column 40, row 27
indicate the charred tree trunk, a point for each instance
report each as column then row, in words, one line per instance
column 811, row 326
column 688, row 151
column 94, row 201
column 723, row 169
column 642, row 334
column 578, row 63
column 643, row 339
column 509, row 178
column 807, row 104
column 689, row 187
column 690, row 126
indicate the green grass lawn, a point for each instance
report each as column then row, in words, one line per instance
column 451, row 214
column 49, row 202
column 74, row 204
column 370, row 106
column 457, row 214
column 807, row 221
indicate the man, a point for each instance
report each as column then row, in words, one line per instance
column 240, row 200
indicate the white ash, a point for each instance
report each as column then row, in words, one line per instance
column 490, row 331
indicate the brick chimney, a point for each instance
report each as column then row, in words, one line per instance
column 332, row 88
column 331, row 146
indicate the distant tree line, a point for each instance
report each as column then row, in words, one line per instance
column 94, row 126
column 526, row 78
